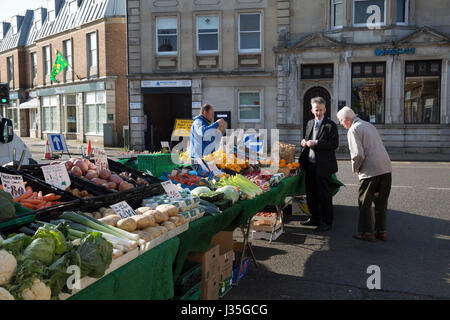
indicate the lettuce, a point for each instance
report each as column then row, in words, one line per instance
column 96, row 255
column 57, row 272
column 54, row 233
column 15, row 244
column 41, row 249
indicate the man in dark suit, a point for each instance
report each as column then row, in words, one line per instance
column 319, row 160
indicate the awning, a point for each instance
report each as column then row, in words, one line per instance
column 30, row 104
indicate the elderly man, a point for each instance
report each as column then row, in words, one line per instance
column 319, row 159
column 372, row 164
column 201, row 134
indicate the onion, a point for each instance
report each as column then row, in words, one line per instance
column 92, row 166
column 116, row 179
column 98, row 181
column 105, row 174
column 91, row 174
column 110, row 186
column 76, row 171
column 69, row 165
column 82, row 165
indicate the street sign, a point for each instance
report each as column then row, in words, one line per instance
column 57, row 142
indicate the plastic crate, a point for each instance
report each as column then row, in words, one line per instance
column 192, row 294
column 156, row 163
column 191, row 274
column 23, row 217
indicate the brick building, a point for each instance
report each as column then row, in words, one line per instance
column 91, row 35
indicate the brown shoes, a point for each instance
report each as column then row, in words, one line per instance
column 365, row 236
column 382, row 235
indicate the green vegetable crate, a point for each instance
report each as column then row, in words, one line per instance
column 191, row 276
column 192, row 294
column 156, row 163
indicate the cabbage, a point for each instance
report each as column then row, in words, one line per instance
column 230, row 193
column 42, row 249
column 199, row 191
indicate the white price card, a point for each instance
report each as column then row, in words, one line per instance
column 165, row 144
column 171, row 190
column 13, row 184
column 123, row 210
column 57, row 176
column 101, row 159
column 213, row 168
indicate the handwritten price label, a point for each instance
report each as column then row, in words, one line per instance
column 171, row 190
column 101, row 159
column 123, row 210
column 13, row 184
column 57, row 176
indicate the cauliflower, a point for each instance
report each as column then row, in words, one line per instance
column 5, row 295
column 37, row 291
column 8, row 266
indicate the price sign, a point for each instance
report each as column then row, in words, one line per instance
column 123, row 210
column 57, row 176
column 101, row 159
column 171, row 190
column 13, row 184
column 213, row 168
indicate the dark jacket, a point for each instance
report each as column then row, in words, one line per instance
column 328, row 142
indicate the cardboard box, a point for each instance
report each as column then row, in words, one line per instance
column 209, row 261
column 225, row 286
column 226, row 265
column 224, row 239
column 265, row 227
column 263, row 235
column 210, row 289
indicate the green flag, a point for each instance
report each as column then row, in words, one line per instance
column 60, row 65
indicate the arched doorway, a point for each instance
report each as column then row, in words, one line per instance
column 312, row 93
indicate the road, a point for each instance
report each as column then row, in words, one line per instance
column 414, row 262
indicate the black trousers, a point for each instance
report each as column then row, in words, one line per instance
column 319, row 196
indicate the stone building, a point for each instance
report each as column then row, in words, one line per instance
column 263, row 61
column 91, row 92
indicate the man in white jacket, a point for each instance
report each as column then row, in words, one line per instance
column 371, row 162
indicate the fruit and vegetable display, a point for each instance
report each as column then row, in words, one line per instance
column 34, row 263
column 32, row 199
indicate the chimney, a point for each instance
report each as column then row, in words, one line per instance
column 39, row 17
column 4, row 27
column 16, row 23
column 53, row 7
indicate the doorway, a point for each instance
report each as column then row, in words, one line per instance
column 160, row 113
column 310, row 94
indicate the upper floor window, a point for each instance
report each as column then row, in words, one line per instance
column 92, row 49
column 249, row 32
column 47, row 60
column 166, row 35
column 402, row 12
column 367, row 12
column 33, row 65
column 207, row 34
column 10, row 68
column 67, row 52
column 337, row 13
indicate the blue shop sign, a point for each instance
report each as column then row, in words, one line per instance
column 394, row 51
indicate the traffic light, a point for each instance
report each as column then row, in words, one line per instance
column 4, row 93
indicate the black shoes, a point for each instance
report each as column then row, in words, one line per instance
column 322, row 228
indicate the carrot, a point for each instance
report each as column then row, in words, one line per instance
column 39, row 196
column 28, row 201
column 50, row 197
column 42, row 205
column 1, row 187
column 29, row 206
column 35, row 195
column 57, row 197
column 25, row 183
column 24, row 196
column 28, row 188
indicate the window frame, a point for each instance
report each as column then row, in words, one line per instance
column 166, row 53
column 96, row 105
column 10, row 69
column 44, row 59
column 260, row 33
column 206, row 52
column 54, row 122
column 260, row 106
column 89, row 51
column 383, row 24
column 69, row 61
column 405, row 23
column 65, row 104
column 333, row 6
column 34, row 66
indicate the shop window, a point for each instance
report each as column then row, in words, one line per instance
column 402, row 12
column 208, row 34
column 249, row 33
column 337, row 13
column 95, row 112
column 49, row 118
column 167, row 36
column 422, row 92
column 361, row 9
column 320, row 71
column 13, row 115
column 249, row 106
column 70, row 113
column 368, row 91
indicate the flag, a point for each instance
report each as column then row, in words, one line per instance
column 60, row 65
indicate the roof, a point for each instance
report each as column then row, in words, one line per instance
column 71, row 14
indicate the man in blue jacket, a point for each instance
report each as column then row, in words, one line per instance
column 204, row 132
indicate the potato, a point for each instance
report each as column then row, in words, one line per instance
column 76, row 192
column 168, row 209
column 150, row 213
column 97, row 215
column 110, row 220
column 102, row 210
column 125, row 186
column 127, row 224
column 144, row 221
column 163, row 229
column 160, row 217
column 177, row 220
column 154, row 231
column 182, row 219
column 84, row 194
column 147, row 236
column 142, row 210
column 89, row 214
column 109, row 212
column 169, row 225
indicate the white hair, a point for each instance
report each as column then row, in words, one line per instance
column 345, row 112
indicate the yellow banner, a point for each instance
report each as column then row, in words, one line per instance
column 183, row 127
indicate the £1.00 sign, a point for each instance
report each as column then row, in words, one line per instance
column 13, row 184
